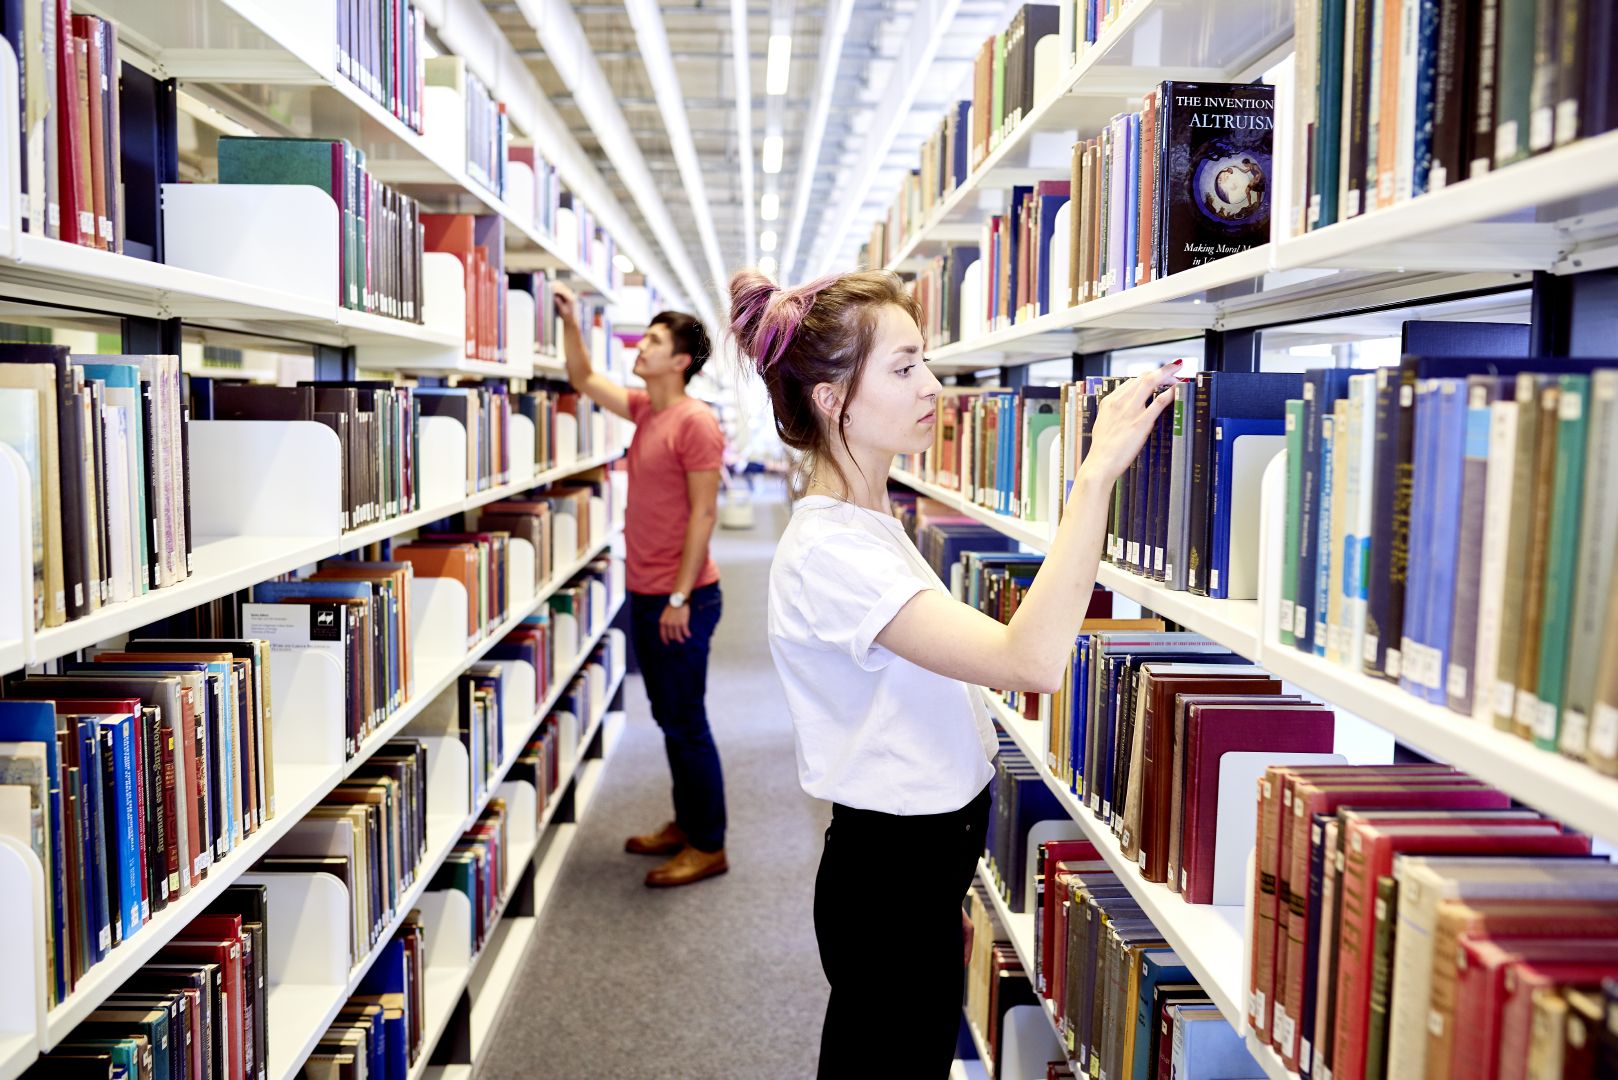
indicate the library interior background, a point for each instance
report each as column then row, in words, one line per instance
column 330, row 629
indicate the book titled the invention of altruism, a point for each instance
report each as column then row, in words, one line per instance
column 1218, row 139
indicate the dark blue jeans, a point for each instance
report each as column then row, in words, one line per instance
column 676, row 681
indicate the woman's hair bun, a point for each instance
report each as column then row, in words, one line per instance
column 750, row 295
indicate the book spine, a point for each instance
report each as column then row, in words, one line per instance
column 1326, row 556
column 1598, row 533
column 1520, row 516
column 1358, row 107
column 1289, row 571
column 1526, row 706
column 1469, row 566
column 1496, row 533
column 1303, row 617
column 1198, row 512
column 1454, row 77
column 1562, row 557
column 1482, row 143
column 1573, row 45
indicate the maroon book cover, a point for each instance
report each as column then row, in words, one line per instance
column 1213, row 731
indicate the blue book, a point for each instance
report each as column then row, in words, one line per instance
column 1207, row 1047
column 35, row 721
column 1426, row 82
column 1424, row 474
column 960, row 159
column 1321, row 390
column 132, row 909
column 1052, row 195
column 1320, row 587
column 1442, row 515
column 389, row 975
column 1131, row 197
column 1080, row 712
column 1007, row 434
column 98, row 913
column 1158, row 967
column 1227, row 433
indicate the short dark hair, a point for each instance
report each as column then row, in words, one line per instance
column 689, row 338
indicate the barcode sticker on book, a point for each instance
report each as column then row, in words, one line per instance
column 1368, row 654
column 1457, row 680
column 1545, row 721
column 1541, row 128
column 1505, row 140
column 1437, row 178
column 1286, row 1030
column 1504, row 694
column 1393, row 663
column 1300, row 622
column 1570, row 407
column 1527, row 708
column 1286, row 613
column 1604, row 731
column 1435, row 1023
column 1567, row 121
column 1575, row 732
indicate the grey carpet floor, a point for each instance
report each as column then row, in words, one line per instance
column 715, row 980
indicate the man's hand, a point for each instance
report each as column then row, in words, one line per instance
column 674, row 627
column 567, row 305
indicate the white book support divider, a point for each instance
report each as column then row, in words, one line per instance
column 265, row 478
column 446, row 919
column 567, row 439
column 16, row 556
column 521, row 323
column 309, row 692
column 520, row 584
column 443, row 125
column 443, row 461
column 443, row 287
column 517, row 703
column 311, row 923
column 567, row 232
column 520, row 439
column 564, row 541
column 277, row 236
column 598, row 516
column 520, row 193
column 22, row 985
column 522, row 820
column 438, row 614
column 598, row 430
column 449, row 782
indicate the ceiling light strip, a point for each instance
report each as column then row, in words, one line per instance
column 741, row 63
column 834, row 30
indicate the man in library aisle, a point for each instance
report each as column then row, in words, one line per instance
column 674, row 600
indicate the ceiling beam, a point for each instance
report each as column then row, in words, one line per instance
column 742, row 76
column 909, row 73
column 568, row 50
column 831, row 51
column 654, row 47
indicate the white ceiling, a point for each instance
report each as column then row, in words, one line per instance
column 699, row 44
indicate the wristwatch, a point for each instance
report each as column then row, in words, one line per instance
column 677, row 600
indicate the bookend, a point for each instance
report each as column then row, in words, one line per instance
column 10, row 167
column 283, row 237
column 521, row 320
column 443, row 463
column 308, row 970
column 1239, row 772
column 16, row 556
column 520, row 438
column 266, row 478
column 22, row 982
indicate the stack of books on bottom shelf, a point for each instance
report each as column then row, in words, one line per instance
column 199, row 1008
column 378, row 1032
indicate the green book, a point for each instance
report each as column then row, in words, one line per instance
column 997, row 110
column 1514, row 81
column 1294, row 522
column 320, row 163
column 1598, row 533
column 1387, row 918
column 1561, row 555
column 1042, row 422
column 1328, row 116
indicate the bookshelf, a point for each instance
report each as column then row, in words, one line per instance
column 299, row 786
column 297, row 1017
column 1556, row 785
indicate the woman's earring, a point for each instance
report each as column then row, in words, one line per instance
column 845, row 418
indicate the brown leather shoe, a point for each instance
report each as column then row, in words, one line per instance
column 666, row 841
column 688, row 866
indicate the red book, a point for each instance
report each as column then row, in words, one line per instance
column 1307, row 798
column 1055, row 856
column 226, row 951
column 1481, row 968
column 1523, row 981
column 72, row 129
column 1148, row 143
column 1213, row 730
column 1369, row 848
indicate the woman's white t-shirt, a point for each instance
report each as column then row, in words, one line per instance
column 873, row 730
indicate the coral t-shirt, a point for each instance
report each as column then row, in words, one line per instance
column 683, row 438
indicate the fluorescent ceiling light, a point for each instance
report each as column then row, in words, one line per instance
column 766, row 240
column 769, row 206
column 623, row 263
column 770, row 156
column 767, row 265
column 779, row 64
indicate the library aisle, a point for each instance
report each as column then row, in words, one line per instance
column 717, row 979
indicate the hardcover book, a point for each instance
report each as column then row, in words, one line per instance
column 1217, row 140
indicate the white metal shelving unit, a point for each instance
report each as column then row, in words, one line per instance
column 299, row 788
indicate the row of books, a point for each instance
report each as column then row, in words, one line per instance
column 1349, row 881
column 579, row 236
column 998, row 991
column 1182, row 182
column 474, row 714
column 198, row 1008
column 131, row 774
column 104, row 440
column 1399, row 101
column 381, row 1030
column 548, row 188
column 376, row 424
column 357, row 613
column 479, row 867
column 478, row 243
column 382, row 49
column 71, row 161
column 370, row 832
column 1125, row 1002
column 1473, row 504
column 380, row 230
column 540, row 286
column 483, row 409
column 487, row 130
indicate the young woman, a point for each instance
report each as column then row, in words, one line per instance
column 879, row 662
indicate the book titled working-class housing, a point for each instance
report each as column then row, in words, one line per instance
column 1216, row 147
